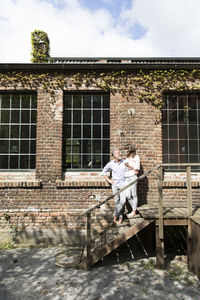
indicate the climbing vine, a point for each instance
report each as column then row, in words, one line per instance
column 40, row 47
column 148, row 86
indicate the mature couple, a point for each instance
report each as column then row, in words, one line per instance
column 123, row 172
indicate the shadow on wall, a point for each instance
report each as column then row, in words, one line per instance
column 143, row 187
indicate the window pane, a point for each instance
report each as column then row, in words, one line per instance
column 97, row 116
column 106, row 116
column 14, row 146
column 106, row 146
column 87, row 162
column 182, row 102
column 106, row 131
column 25, row 116
column 34, row 101
column 76, row 146
column 5, row 101
column 33, row 116
column 192, row 116
column 14, row 161
column 76, row 131
column 24, row 159
column 67, row 131
column 86, row 101
column 4, row 131
column 86, row 116
column 5, row 116
column 96, row 131
column 24, row 147
column 172, row 116
column 77, row 116
column 24, row 131
column 15, row 116
column 76, row 161
column 192, row 101
column 97, row 146
column 87, row 147
column 32, row 161
column 173, row 131
column 86, row 131
column 77, row 101
column 68, row 115
column 193, row 131
column 173, row 147
column 193, row 146
column 97, row 101
column 106, row 159
column 68, row 101
column 26, row 101
column 183, row 132
column 15, row 101
column 4, row 146
column 33, row 146
column 96, row 161
column 14, row 131
column 33, row 131
column 3, row 161
column 172, row 102
column 106, row 101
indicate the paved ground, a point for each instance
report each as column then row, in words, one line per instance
column 32, row 274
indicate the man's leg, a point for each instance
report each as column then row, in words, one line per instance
column 116, row 199
column 121, row 203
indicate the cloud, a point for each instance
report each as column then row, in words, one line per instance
column 142, row 28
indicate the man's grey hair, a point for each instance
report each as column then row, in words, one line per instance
column 114, row 150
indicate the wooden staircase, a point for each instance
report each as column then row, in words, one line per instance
column 111, row 238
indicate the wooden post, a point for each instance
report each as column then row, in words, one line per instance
column 189, row 191
column 189, row 204
column 88, row 241
column 160, row 228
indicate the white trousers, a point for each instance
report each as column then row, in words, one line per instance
column 131, row 192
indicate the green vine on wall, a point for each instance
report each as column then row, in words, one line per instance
column 40, row 47
column 147, row 86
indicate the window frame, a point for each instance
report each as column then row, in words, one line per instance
column 81, row 137
column 178, row 129
column 30, row 136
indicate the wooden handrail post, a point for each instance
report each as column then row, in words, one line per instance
column 160, row 201
column 88, row 241
column 189, row 191
column 159, row 228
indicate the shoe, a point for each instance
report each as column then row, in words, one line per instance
column 132, row 214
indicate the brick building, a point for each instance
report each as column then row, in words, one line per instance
column 57, row 130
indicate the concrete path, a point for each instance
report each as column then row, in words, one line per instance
column 32, row 274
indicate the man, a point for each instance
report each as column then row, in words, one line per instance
column 118, row 169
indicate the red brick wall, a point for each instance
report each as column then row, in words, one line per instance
column 54, row 200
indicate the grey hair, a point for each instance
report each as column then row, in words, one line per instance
column 113, row 151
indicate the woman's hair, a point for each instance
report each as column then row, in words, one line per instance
column 130, row 149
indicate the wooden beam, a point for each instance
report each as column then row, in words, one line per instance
column 160, row 202
column 173, row 222
column 160, row 261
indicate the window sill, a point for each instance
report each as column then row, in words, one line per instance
column 82, row 183
column 19, row 184
column 177, row 184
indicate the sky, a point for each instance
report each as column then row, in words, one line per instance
column 101, row 28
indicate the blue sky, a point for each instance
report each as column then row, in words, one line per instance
column 89, row 28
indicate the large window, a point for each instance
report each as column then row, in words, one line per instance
column 181, row 129
column 17, row 130
column 86, row 131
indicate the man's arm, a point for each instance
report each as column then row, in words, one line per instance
column 107, row 169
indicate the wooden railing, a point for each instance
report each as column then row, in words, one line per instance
column 160, row 168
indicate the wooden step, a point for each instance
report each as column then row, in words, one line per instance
column 119, row 235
